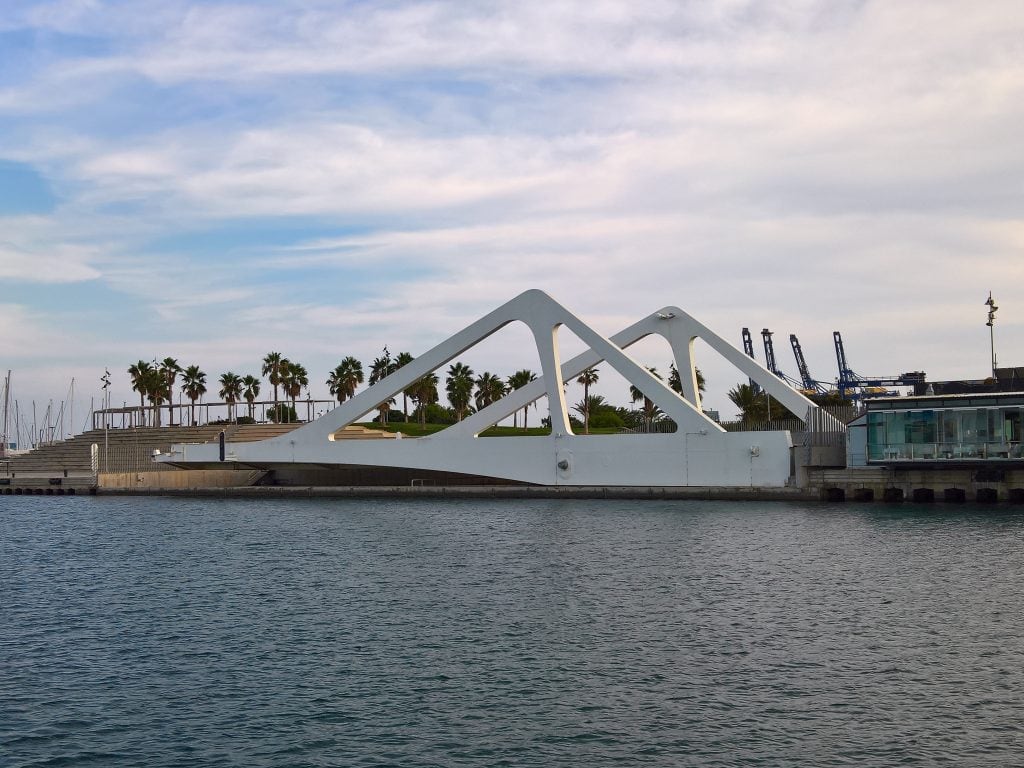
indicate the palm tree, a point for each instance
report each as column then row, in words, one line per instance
column 459, row 386
column 194, row 382
column 588, row 378
column 140, row 373
column 757, row 406
column 489, row 389
column 518, row 380
column 351, row 375
column 424, row 392
column 591, row 404
column 230, row 391
column 384, row 409
column 170, row 369
column 334, row 385
column 284, row 366
column 272, row 370
column 404, row 358
column 344, row 379
column 676, row 383
column 751, row 405
column 381, row 367
column 156, row 391
column 293, row 379
column 650, row 410
column 252, row 391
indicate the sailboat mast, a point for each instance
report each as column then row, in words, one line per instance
column 7, row 399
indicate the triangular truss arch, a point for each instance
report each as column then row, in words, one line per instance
column 523, row 457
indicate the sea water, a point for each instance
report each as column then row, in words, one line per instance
column 163, row 632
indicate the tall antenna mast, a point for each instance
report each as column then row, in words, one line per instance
column 991, row 304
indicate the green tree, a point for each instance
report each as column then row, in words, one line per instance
column 251, row 386
column 193, row 380
column 282, row 413
column 230, row 391
column 518, row 380
column 459, row 386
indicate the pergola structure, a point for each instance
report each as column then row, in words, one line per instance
column 698, row 453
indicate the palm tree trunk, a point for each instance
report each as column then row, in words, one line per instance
column 586, row 408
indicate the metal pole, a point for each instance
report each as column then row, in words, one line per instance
column 105, row 378
column 991, row 304
column 7, row 398
column 992, row 344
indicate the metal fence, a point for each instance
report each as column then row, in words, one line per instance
column 825, row 426
column 129, row 458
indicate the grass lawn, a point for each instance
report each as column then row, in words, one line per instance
column 413, row 429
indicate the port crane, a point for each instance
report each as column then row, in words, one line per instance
column 769, row 359
column 748, row 349
column 810, row 384
column 856, row 385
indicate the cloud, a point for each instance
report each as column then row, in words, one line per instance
column 51, row 263
column 802, row 165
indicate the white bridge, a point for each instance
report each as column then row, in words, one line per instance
column 698, row 453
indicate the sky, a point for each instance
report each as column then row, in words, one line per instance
column 212, row 181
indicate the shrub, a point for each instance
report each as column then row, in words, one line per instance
column 282, row 413
column 606, row 420
column 436, row 414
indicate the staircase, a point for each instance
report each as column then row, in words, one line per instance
column 131, row 450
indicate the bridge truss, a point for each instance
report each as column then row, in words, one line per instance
column 699, row 453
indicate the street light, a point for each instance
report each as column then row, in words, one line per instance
column 105, row 378
column 991, row 304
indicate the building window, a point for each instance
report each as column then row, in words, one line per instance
column 945, row 434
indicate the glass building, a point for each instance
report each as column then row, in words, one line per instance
column 938, row 429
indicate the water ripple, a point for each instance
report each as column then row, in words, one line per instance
column 167, row 632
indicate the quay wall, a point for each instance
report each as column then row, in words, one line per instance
column 481, row 492
column 831, row 485
column 178, row 480
column 921, row 485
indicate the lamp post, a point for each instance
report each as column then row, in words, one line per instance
column 990, row 303
column 105, row 378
